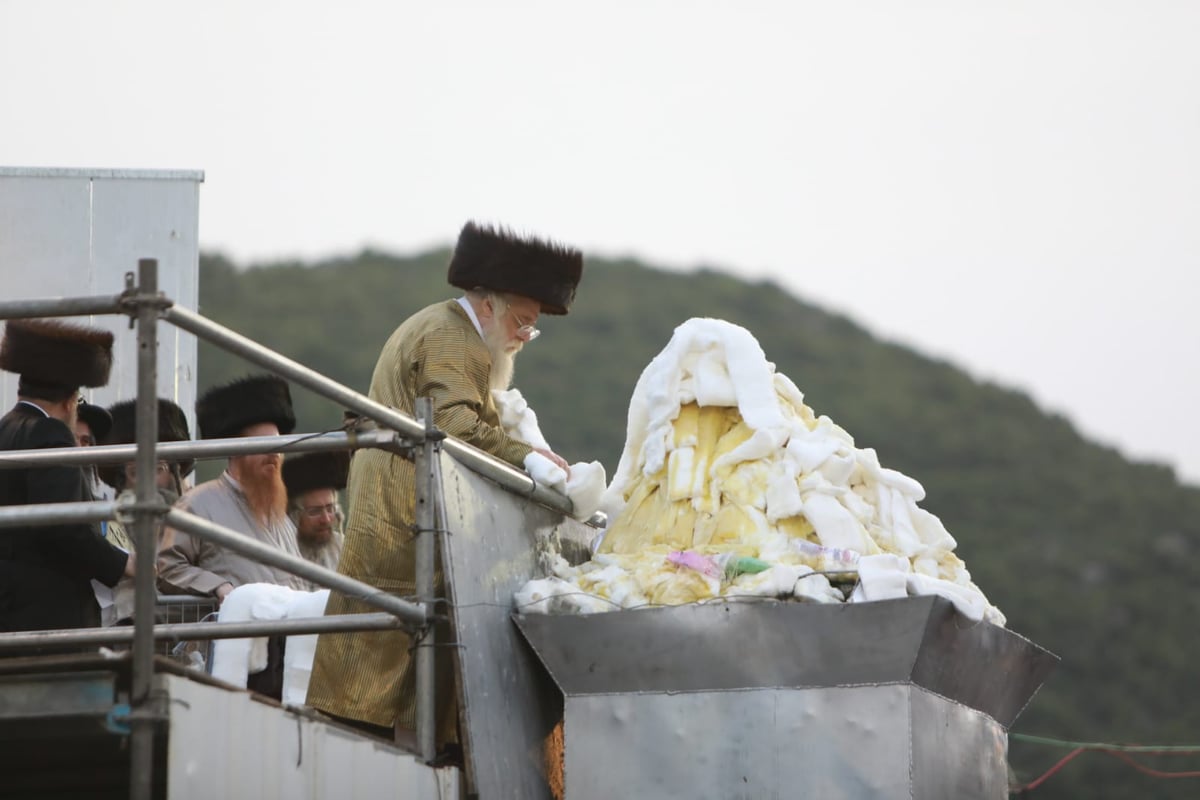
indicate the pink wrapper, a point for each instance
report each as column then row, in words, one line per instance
column 693, row 560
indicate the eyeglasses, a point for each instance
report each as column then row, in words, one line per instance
column 161, row 468
column 524, row 330
column 316, row 512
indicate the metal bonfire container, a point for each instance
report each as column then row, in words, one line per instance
column 894, row 699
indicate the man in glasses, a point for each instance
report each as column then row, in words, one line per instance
column 168, row 477
column 313, row 481
column 172, row 427
column 46, row 572
column 456, row 352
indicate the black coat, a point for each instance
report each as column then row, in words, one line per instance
column 45, row 572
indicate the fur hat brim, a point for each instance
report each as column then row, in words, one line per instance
column 324, row 470
column 225, row 411
column 500, row 260
column 47, row 352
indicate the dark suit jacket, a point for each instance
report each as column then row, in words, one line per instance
column 45, row 572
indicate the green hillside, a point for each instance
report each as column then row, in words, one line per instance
column 1088, row 554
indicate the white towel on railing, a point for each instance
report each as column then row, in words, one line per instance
column 298, row 657
column 587, row 482
column 234, row 659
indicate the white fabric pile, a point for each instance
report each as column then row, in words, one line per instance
column 786, row 488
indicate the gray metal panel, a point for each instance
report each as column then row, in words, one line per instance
column 45, row 238
column 494, row 544
column 67, row 233
column 196, row 175
column 225, row 744
column 957, row 752
column 55, row 695
column 133, row 219
column 872, row 742
column 823, row 743
column 982, row 666
column 218, row 742
column 706, row 647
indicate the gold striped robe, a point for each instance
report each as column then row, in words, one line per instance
column 369, row 676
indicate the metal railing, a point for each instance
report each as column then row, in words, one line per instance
column 207, row 449
column 417, row 439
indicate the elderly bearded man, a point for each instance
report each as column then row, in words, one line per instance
column 313, row 481
column 249, row 497
column 456, row 352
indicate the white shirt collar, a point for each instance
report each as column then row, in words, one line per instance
column 33, row 405
column 466, row 304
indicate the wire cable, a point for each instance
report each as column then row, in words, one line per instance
column 1120, row 752
column 1156, row 749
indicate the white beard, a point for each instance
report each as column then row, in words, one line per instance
column 502, row 372
column 504, row 355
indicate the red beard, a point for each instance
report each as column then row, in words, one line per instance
column 265, row 491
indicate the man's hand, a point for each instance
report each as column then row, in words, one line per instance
column 558, row 460
column 222, row 591
column 130, row 566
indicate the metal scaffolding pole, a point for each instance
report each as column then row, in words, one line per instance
column 198, row 631
column 504, row 474
column 146, row 709
column 426, row 468
column 292, row 370
column 206, row 449
column 57, row 513
column 413, row 614
column 61, row 307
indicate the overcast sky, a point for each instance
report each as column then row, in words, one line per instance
column 1013, row 186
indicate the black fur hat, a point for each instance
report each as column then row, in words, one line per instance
column 172, row 427
column 499, row 260
column 324, row 470
column 225, row 411
column 54, row 358
column 97, row 418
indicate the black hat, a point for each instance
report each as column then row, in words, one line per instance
column 499, row 260
column 97, row 418
column 225, row 411
column 53, row 358
column 172, row 427
column 324, row 470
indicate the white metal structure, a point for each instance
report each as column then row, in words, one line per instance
column 77, row 232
